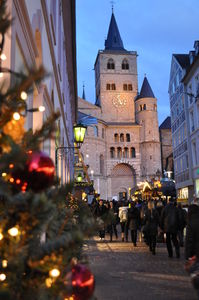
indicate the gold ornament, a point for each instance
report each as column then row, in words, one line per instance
column 15, row 129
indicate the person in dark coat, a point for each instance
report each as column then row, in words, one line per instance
column 133, row 222
column 192, row 242
column 170, row 225
column 151, row 223
column 101, row 212
column 182, row 224
column 113, row 215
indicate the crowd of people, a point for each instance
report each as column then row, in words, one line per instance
column 156, row 221
column 151, row 218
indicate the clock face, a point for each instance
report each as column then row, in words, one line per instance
column 119, row 101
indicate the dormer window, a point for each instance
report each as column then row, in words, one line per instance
column 125, row 65
column 110, row 64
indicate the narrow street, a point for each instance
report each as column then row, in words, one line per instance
column 123, row 272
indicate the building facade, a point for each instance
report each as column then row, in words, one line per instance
column 191, row 85
column 166, row 148
column 124, row 147
column 43, row 33
column 184, row 115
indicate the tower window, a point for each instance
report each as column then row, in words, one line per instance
column 155, row 107
column 119, row 152
column 103, row 133
column 110, row 64
column 133, row 154
column 121, row 137
column 113, row 86
column 125, row 65
column 108, row 86
column 126, row 150
column 112, row 152
column 116, row 138
column 130, row 87
column 140, row 107
column 128, row 137
column 144, row 107
column 125, row 87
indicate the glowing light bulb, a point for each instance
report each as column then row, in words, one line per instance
column 49, row 282
column 24, row 95
column 54, row 273
column 4, row 263
column 12, row 180
column 11, row 166
column 16, row 116
column 3, row 56
column 41, row 108
column 1, row 236
column 13, row 231
column 2, row 277
column 4, row 174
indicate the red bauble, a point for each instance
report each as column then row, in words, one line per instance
column 40, row 171
column 83, row 282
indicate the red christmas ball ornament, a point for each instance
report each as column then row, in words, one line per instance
column 40, row 171
column 83, row 282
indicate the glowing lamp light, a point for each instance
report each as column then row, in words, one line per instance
column 3, row 56
column 24, row 95
column 4, row 263
column 1, row 75
column 13, row 231
column 48, row 282
column 79, row 133
column 11, row 166
column 41, row 108
column 1, row 236
column 18, row 181
column 54, row 273
column 16, row 116
column 2, row 277
column 79, row 177
column 12, row 180
column 4, row 174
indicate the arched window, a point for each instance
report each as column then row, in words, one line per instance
column 108, row 86
column 133, row 154
column 126, row 152
column 125, row 64
column 121, row 137
column 110, row 64
column 95, row 131
column 125, row 87
column 130, row 87
column 140, row 107
column 128, row 139
column 116, row 138
column 113, row 86
column 112, row 152
column 155, row 107
column 102, row 164
column 119, row 152
column 144, row 107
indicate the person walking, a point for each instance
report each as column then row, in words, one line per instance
column 151, row 224
column 192, row 243
column 133, row 222
column 182, row 224
column 123, row 216
column 170, row 225
column 113, row 215
column 101, row 212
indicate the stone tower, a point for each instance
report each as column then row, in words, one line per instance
column 147, row 117
column 116, row 78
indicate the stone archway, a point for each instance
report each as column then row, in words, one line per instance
column 122, row 178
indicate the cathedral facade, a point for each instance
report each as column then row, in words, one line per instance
column 123, row 148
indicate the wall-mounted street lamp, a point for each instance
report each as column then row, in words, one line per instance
column 79, row 177
column 79, row 131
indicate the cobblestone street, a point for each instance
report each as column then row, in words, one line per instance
column 123, row 272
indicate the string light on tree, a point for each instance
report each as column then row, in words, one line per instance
column 3, row 56
column 16, row 116
column 1, row 236
column 54, row 273
column 4, row 263
column 13, row 231
column 2, row 277
column 24, row 95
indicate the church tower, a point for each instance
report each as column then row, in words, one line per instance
column 116, row 78
column 147, row 117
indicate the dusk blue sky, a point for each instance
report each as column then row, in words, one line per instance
column 154, row 28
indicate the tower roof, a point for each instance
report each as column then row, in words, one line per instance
column 183, row 60
column 166, row 124
column 113, row 41
column 146, row 91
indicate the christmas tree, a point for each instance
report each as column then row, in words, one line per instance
column 42, row 226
